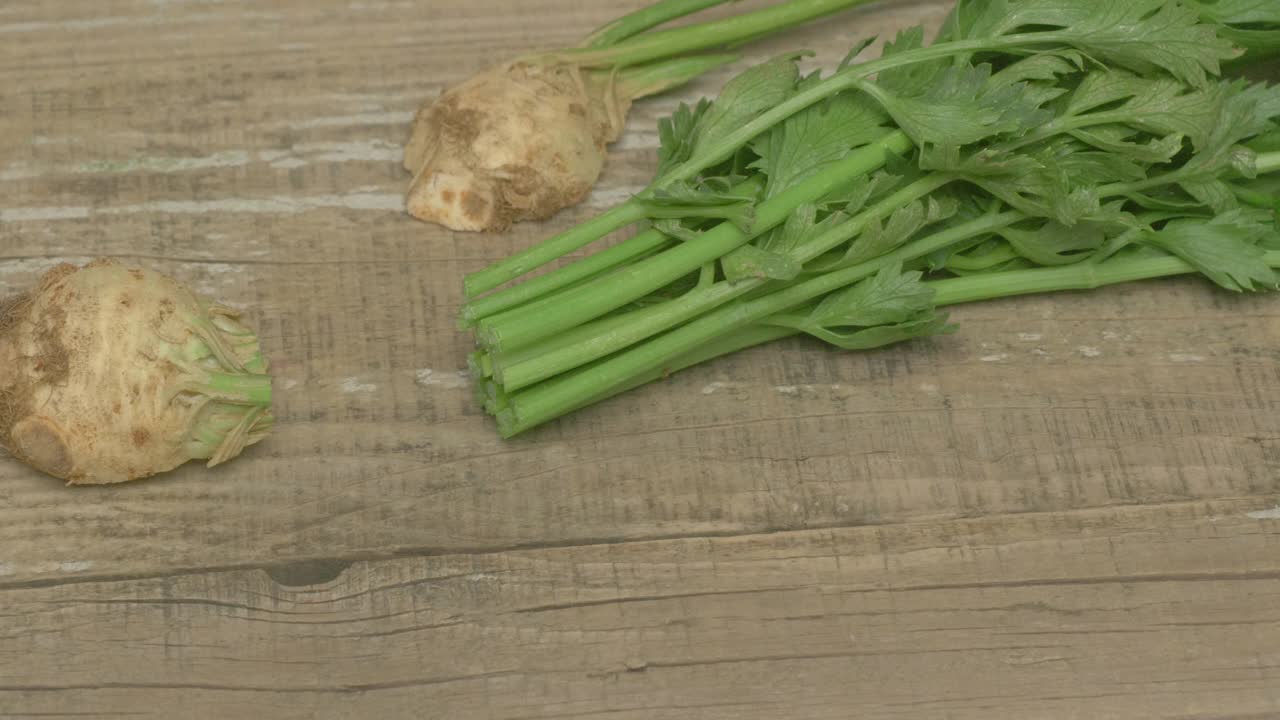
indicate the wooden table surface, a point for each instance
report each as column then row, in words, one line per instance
column 1068, row 510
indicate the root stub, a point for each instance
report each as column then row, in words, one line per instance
column 42, row 445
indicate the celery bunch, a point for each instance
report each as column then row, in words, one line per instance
column 1034, row 146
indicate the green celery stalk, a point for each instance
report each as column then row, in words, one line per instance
column 1268, row 163
column 527, row 325
column 1080, row 276
column 650, row 17
column 590, row 342
column 640, row 245
column 717, row 33
column 645, row 80
column 949, row 292
column 724, row 345
column 556, row 396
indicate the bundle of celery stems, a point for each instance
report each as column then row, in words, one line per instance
column 1034, row 146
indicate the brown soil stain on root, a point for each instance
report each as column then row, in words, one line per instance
column 474, row 205
column 12, row 408
column 461, row 125
column 140, row 437
column 53, row 358
column 167, row 308
column 33, row 439
column 527, row 184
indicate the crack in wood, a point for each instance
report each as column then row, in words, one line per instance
column 576, row 543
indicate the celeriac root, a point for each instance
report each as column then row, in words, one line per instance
column 517, row 142
column 107, row 374
column 527, row 139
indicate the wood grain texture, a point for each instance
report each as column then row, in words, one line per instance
column 382, row 550
column 960, row 619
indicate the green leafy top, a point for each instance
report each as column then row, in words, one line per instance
column 746, row 96
column 889, row 307
column 1146, row 36
column 676, row 134
column 961, row 105
column 1228, row 248
column 815, row 137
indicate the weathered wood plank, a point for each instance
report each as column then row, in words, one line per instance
column 261, row 165
column 806, row 552
column 379, row 446
column 1168, row 611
